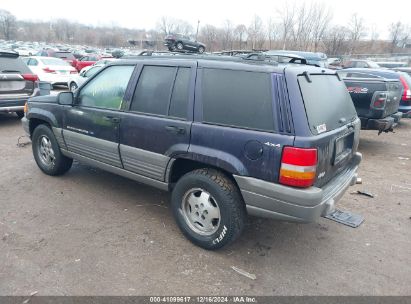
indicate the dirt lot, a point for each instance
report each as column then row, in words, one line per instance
column 94, row 233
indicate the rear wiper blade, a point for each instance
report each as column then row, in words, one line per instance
column 10, row 71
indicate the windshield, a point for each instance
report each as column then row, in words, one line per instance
column 327, row 102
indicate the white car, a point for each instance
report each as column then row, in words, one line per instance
column 77, row 80
column 53, row 70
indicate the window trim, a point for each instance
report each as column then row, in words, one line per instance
column 90, row 79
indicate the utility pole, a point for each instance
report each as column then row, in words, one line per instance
column 198, row 24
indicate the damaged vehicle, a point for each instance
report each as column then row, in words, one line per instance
column 282, row 152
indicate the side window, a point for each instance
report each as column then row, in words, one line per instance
column 107, row 89
column 85, row 58
column 153, row 91
column 237, row 98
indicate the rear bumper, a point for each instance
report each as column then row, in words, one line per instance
column 12, row 105
column 405, row 110
column 383, row 124
column 265, row 199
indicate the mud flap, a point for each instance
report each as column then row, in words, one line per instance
column 346, row 218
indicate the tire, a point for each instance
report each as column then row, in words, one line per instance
column 20, row 114
column 201, row 49
column 73, row 87
column 179, row 46
column 213, row 196
column 171, row 48
column 47, row 153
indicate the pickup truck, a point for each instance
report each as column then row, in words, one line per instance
column 376, row 99
column 282, row 152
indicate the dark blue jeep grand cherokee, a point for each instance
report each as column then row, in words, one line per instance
column 227, row 137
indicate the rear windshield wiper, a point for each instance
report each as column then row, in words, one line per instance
column 10, row 71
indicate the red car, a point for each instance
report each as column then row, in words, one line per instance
column 88, row 60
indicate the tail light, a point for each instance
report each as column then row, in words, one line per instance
column 406, row 95
column 298, row 167
column 48, row 70
column 73, row 72
column 379, row 100
column 25, row 108
column 30, row 77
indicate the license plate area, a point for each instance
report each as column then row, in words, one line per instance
column 343, row 147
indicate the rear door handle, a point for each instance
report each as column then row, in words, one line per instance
column 112, row 119
column 175, row 130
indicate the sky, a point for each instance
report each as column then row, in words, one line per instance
column 145, row 14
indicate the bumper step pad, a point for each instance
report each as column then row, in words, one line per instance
column 346, row 218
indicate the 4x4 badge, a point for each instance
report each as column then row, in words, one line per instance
column 272, row 145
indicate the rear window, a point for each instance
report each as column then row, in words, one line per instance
column 13, row 65
column 51, row 61
column 64, row 55
column 237, row 98
column 327, row 102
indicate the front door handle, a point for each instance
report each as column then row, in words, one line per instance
column 175, row 130
column 112, row 119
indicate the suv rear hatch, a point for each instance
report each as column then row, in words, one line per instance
column 332, row 120
column 16, row 79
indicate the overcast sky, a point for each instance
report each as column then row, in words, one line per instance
column 145, row 13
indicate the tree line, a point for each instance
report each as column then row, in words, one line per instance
column 305, row 27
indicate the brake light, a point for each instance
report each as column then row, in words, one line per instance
column 379, row 100
column 48, row 70
column 406, row 95
column 30, row 77
column 298, row 167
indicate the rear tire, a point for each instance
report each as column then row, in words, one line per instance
column 47, row 153
column 20, row 114
column 179, row 46
column 201, row 49
column 208, row 208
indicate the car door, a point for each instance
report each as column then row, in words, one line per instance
column 157, row 125
column 91, row 126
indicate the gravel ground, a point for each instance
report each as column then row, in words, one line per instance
column 93, row 233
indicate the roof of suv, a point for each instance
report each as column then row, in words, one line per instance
column 226, row 62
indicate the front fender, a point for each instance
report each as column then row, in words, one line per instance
column 47, row 116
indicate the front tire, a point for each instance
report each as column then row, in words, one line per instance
column 47, row 153
column 201, row 49
column 208, row 208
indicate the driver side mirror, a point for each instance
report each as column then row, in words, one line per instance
column 65, row 98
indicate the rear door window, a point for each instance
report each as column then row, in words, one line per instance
column 328, row 104
column 238, row 99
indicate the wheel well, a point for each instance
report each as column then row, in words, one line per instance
column 35, row 122
column 182, row 166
